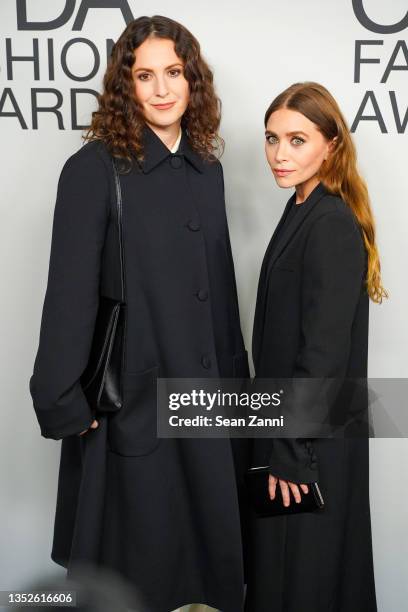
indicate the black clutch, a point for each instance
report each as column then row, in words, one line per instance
column 257, row 486
column 101, row 380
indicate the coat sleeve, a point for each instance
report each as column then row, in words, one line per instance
column 334, row 265
column 72, row 296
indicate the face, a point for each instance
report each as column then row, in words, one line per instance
column 295, row 148
column 160, row 86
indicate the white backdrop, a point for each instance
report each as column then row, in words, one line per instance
column 256, row 49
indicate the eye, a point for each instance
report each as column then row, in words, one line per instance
column 143, row 76
column 299, row 140
column 174, row 72
column 271, row 139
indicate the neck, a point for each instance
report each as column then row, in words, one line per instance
column 168, row 134
column 303, row 190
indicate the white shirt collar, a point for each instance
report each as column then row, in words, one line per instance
column 177, row 143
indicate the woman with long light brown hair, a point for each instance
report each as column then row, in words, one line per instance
column 161, row 512
column 319, row 272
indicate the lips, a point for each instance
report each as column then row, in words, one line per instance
column 164, row 106
column 282, row 172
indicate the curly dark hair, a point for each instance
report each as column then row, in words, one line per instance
column 119, row 121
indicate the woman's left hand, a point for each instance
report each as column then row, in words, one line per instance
column 285, row 486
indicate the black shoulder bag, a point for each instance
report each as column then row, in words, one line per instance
column 102, row 378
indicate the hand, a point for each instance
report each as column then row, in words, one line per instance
column 93, row 425
column 285, row 485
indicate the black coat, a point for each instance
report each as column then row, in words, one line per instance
column 162, row 512
column 312, row 321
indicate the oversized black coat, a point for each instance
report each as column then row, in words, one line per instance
column 312, row 321
column 162, row 512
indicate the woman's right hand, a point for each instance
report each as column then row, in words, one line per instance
column 285, row 485
column 93, row 425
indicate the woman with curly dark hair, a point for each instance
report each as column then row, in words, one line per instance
column 162, row 512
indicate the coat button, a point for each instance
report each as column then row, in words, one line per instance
column 206, row 362
column 175, row 161
column 202, row 295
column 194, row 226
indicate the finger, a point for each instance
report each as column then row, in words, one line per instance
column 82, row 432
column 296, row 493
column 304, row 488
column 285, row 492
column 272, row 486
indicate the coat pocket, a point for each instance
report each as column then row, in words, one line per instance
column 132, row 430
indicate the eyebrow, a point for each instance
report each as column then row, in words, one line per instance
column 151, row 69
column 269, row 133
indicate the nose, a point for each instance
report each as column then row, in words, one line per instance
column 281, row 152
column 161, row 89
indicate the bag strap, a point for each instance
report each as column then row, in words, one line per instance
column 119, row 208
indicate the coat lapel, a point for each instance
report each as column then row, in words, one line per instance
column 261, row 295
column 305, row 209
column 276, row 245
column 276, row 231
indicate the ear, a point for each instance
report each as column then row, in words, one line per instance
column 331, row 146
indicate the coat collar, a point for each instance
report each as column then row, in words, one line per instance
column 304, row 210
column 155, row 151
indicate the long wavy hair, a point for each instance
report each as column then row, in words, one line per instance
column 119, row 121
column 339, row 172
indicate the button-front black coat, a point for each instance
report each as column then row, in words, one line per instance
column 163, row 512
column 311, row 321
